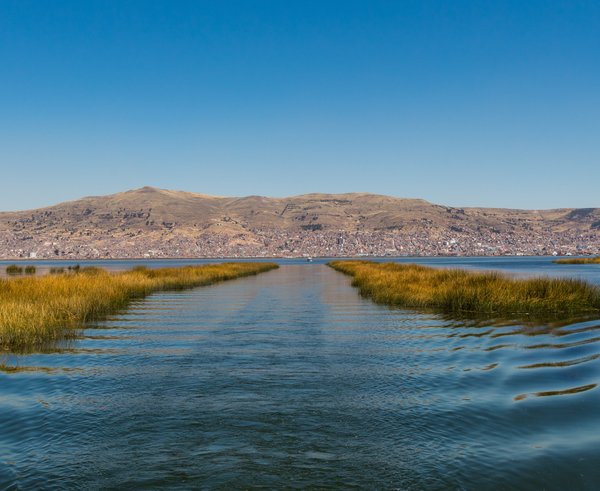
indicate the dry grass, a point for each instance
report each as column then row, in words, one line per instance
column 578, row 260
column 457, row 290
column 37, row 310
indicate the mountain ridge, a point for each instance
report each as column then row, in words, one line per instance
column 155, row 222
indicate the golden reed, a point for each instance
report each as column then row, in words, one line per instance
column 458, row 290
column 578, row 260
column 35, row 310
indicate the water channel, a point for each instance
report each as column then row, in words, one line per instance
column 291, row 380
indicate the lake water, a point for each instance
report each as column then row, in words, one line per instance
column 291, row 380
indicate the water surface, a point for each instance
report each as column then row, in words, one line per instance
column 291, row 380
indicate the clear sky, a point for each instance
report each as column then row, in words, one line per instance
column 480, row 103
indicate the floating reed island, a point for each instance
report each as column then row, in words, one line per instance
column 35, row 310
column 462, row 291
column 578, row 260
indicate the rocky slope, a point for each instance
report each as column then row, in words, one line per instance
column 150, row 222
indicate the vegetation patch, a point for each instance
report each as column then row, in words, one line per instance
column 578, row 260
column 13, row 269
column 35, row 310
column 462, row 291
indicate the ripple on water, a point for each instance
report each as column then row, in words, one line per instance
column 291, row 379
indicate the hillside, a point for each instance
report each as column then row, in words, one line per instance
column 150, row 222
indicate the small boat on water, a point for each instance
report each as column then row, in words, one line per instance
column 309, row 259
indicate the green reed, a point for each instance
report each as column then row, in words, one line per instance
column 13, row 269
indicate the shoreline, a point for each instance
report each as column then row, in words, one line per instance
column 294, row 258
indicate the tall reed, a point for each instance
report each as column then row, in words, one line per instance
column 13, row 269
column 458, row 290
column 34, row 310
column 578, row 260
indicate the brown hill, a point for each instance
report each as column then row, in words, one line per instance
column 157, row 222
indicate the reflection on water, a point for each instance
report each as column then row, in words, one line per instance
column 290, row 379
column 573, row 390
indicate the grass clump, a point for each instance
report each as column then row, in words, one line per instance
column 578, row 260
column 36, row 310
column 458, row 290
column 13, row 269
column 30, row 269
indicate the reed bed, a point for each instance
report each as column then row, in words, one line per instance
column 462, row 291
column 13, row 269
column 35, row 310
column 578, row 260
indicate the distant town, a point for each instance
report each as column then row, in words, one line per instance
column 315, row 243
column 156, row 223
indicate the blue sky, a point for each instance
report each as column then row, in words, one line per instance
column 460, row 103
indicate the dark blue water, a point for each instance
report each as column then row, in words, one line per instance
column 291, row 380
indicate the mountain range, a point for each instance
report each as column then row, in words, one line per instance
column 151, row 222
